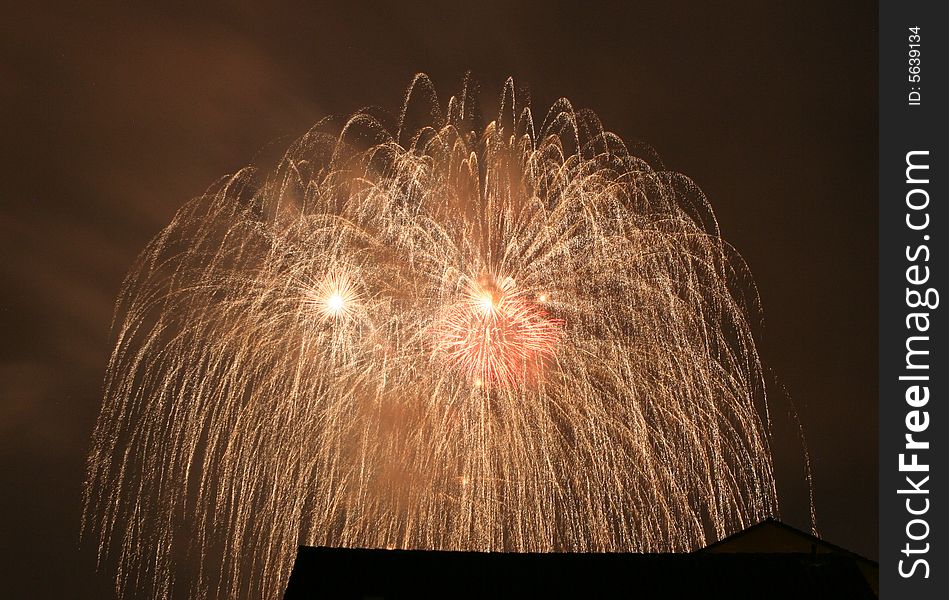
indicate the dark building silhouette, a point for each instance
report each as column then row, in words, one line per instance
column 769, row 560
column 773, row 536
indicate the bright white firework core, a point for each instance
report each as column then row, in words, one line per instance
column 335, row 303
column 335, row 297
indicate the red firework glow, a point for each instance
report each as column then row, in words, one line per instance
column 498, row 338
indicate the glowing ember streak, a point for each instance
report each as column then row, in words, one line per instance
column 516, row 336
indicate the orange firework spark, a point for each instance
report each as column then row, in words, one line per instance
column 497, row 337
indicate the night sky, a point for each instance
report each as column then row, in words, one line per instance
column 111, row 119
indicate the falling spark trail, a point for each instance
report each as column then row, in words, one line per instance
column 455, row 337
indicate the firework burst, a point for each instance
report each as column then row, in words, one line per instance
column 496, row 337
column 442, row 335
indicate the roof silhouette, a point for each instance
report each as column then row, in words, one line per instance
column 713, row 572
column 767, row 535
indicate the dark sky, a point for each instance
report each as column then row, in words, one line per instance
column 111, row 119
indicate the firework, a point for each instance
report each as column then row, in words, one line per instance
column 496, row 337
column 443, row 335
